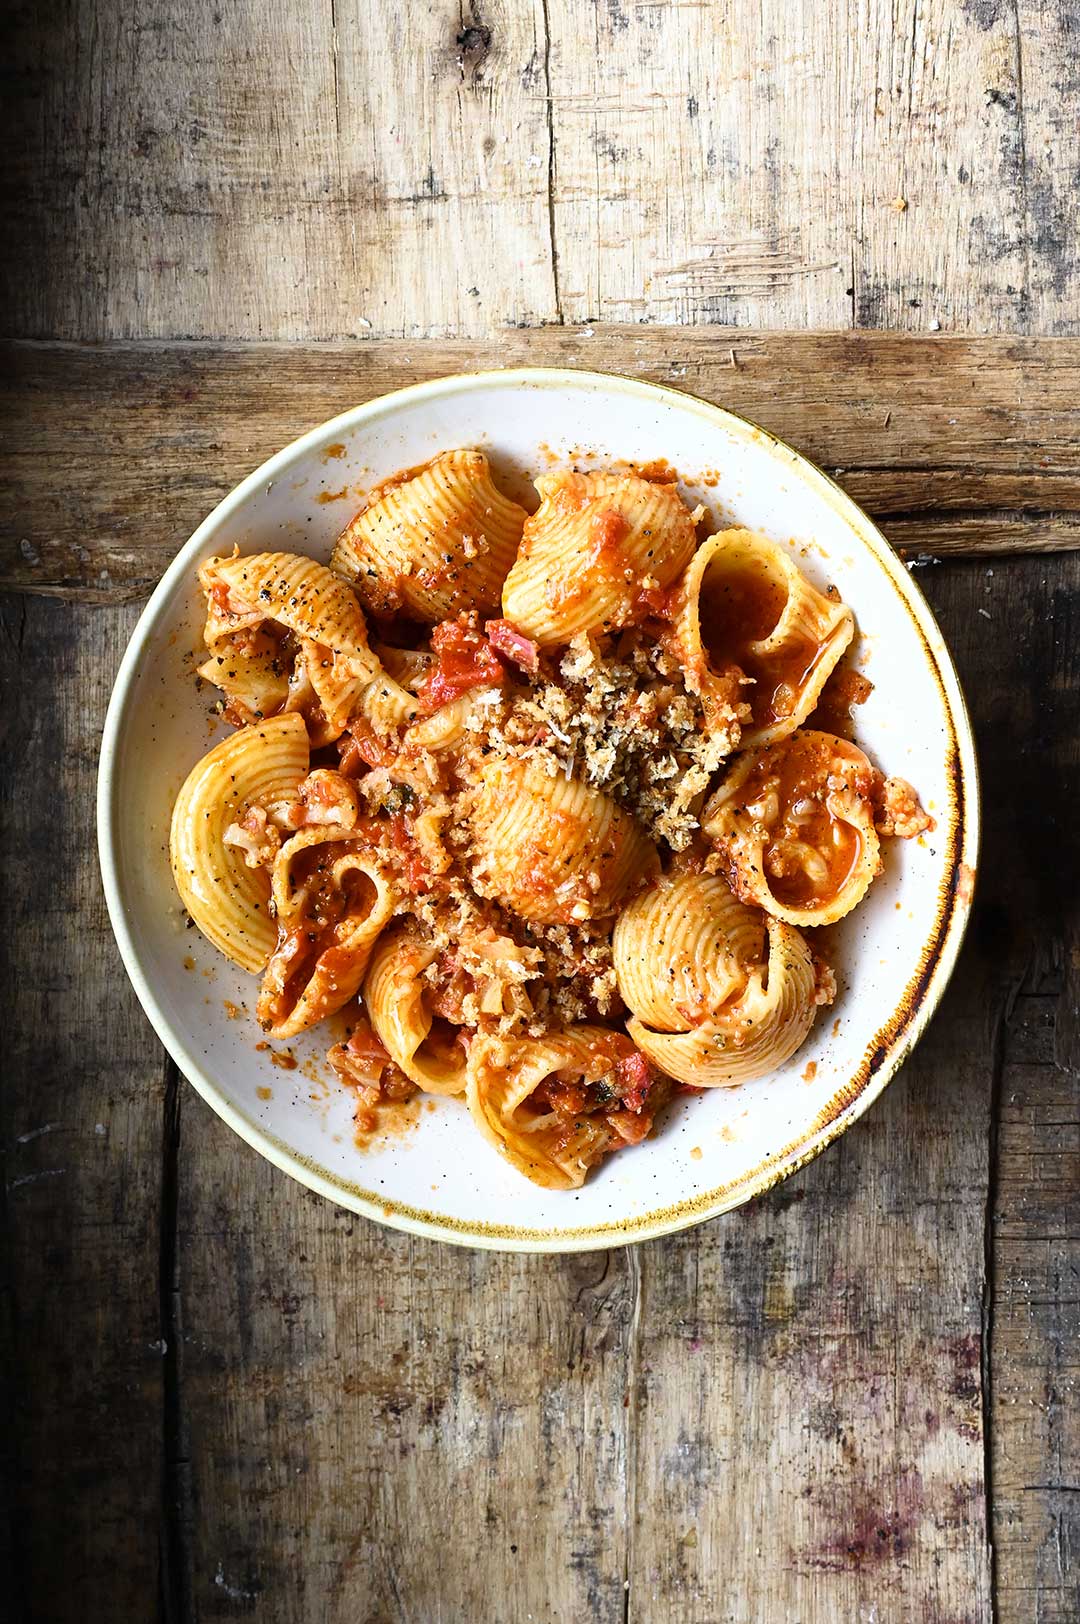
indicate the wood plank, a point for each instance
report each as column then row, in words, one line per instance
column 81, row 1132
column 1033, row 696
column 960, row 446
column 316, row 172
column 384, row 1428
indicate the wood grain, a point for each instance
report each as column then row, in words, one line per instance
column 855, row 1399
column 81, row 1135
column 1030, row 918
column 322, row 172
column 964, row 447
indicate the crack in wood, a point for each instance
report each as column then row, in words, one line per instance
column 633, row 1256
column 176, row 1596
column 993, row 1182
column 553, row 241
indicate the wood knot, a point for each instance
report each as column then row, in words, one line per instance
column 474, row 43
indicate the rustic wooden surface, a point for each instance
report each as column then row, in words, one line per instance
column 221, row 170
column 960, row 447
column 853, row 1400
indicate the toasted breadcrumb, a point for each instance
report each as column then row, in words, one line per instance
column 898, row 811
column 621, row 719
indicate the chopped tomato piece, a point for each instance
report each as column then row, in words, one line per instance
column 369, row 747
column 506, row 640
column 655, row 603
column 464, row 660
column 636, row 1078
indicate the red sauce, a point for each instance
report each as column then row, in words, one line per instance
column 366, row 747
column 805, row 763
column 604, row 562
column 513, row 645
column 740, row 607
column 364, row 1045
column 608, row 530
column 655, row 603
column 219, row 597
column 314, row 939
column 464, row 660
column 844, row 690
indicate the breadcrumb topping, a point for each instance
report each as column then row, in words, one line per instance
column 619, row 717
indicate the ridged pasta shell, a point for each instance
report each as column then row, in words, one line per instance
column 300, row 988
column 744, row 604
column 750, row 1035
column 257, row 766
column 386, row 705
column 588, row 549
column 339, row 681
column 503, row 1074
column 298, row 593
column 682, row 948
column 551, row 848
column 394, row 998
column 795, row 823
column 434, row 543
column 448, row 725
column 249, row 669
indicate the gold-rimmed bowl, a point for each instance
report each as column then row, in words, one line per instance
column 434, row 1175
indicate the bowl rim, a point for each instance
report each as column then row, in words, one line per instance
column 890, row 1046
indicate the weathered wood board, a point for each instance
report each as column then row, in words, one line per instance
column 855, row 1398
column 217, row 171
column 113, row 454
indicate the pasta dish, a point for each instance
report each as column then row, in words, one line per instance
column 549, row 805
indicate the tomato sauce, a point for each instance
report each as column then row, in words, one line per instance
column 464, row 659
column 739, row 608
column 798, row 772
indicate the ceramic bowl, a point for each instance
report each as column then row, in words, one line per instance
column 436, row 1176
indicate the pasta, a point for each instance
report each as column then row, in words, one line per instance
column 513, row 1093
column 284, row 633
column 795, row 824
column 720, row 994
column 250, row 772
column 549, row 845
column 322, row 873
column 423, row 1045
column 434, row 542
column 552, row 849
column 757, row 640
column 683, row 948
column 597, row 543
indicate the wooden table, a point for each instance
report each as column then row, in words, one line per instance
column 855, row 1399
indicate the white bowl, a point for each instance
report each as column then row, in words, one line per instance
column 893, row 956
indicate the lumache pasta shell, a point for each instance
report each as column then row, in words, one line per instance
column 288, row 1003
column 589, row 550
column 803, row 633
column 434, row 543
column 394, row 996
column 297, row 593
column 551, row 848
column 682, row 948
column 503, row 1074
column 753, row 1032
column 251, row 672
column 819, row 780
column 259, row 766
